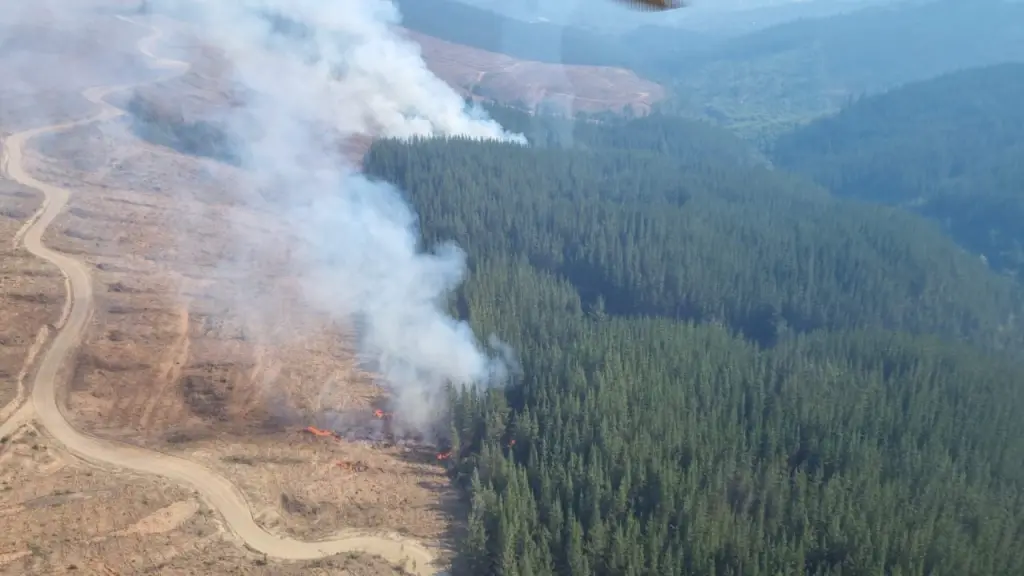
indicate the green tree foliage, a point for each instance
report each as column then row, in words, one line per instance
column 653, row 447
column 724, row 370
column 766, row 81
column 693, row 237
column 949, row 148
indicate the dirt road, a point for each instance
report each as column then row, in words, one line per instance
column 215, row 490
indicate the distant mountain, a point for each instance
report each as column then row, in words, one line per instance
column 766, row 81
column 949, row 148
column 706, row 16
column 463, row 24
column 721, row 369
column 795, row 71
column 545, row 41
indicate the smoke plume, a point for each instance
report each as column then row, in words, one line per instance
column 315, row 70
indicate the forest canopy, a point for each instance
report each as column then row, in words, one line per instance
column 949, row 148
column 725, row 369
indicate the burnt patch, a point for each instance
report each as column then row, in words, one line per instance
column 18, row 193
column 109, row 267
column 122, row 309
column 293, row 504
column 30, row 297
column 184, row 436
column 122, row 288
column 15, row 213
column 39, row 273
column 205, row 397
column 12, row 339
column 101, row 363
column 79, row 235
column 91, row 215
column 378, row 427
column 254, row 460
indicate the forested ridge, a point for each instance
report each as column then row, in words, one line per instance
column 949, row 148
column 690, row 237
column 770, row 80
column 725, row 369
column 764, row 81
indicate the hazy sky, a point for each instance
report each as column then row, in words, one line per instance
column 717, row 14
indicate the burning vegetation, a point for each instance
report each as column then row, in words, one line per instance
column 377, row 427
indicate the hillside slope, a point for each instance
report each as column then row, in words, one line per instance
column 569, row 88
column 724, row 370
column 692, row 236
column 948, row 148
column 763, row 81
column 789, row 73
column 189, row 112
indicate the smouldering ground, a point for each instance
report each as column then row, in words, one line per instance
column 200, row 345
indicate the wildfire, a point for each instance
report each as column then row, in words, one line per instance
column 318, row 432
column 444, row 455
column 381, row 415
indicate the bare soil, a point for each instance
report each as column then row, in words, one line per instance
column 31, row 296
column 497, row 77
column 180, row 357
column 200, row 346
column 64, row 517
column 202, row 94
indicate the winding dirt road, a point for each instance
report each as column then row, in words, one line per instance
column 219, row 493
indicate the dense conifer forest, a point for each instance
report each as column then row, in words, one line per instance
column 725, row 369
column 950, row 148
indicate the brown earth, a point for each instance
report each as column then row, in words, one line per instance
column 199, row 346
column 31, row 297
column 202, row 347
column 500, row 78
column 202, row 94
column 65, row 517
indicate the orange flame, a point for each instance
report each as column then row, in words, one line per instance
column 318, row 432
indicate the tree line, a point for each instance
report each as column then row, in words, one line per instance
column 947, row 148
column 725, row 370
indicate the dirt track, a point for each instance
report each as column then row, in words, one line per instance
column 216, row 491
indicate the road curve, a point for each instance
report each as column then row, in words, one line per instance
column 219, row 493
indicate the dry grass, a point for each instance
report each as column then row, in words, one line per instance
column 200, row 345
column 60, row 516
column 313, row 486
column 180, row 358
column 31, row 296
column 502, row 78
column 203, row 93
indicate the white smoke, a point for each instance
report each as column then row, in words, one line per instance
column 349, row 72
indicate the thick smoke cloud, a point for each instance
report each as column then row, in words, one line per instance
column 316, row 70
